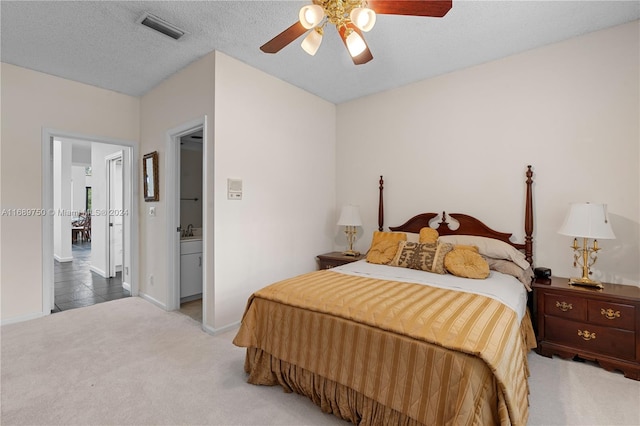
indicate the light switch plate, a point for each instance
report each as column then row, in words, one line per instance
column 234, row 189
column 152, row 211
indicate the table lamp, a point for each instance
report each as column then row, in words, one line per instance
column 586, row 220
column 350, row 219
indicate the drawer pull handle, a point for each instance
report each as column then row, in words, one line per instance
column 586, row 335
column 610, row 313
column 564, row 306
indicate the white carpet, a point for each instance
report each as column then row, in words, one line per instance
column 129, row 362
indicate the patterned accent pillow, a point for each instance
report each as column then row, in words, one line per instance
column 423, row 256
column 384, row 246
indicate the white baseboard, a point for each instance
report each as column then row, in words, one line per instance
column 152, row 300
column 22, row 318
column 215, row 331
column 98, row 271
column 126, row 286
column 63, row 259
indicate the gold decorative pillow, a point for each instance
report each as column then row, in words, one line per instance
column 384, row 246
column 466, row 247
column 428, row 235
column 467, row 264
column 423, row 256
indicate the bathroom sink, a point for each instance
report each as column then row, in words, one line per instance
column 191, row 238
column 191, row 245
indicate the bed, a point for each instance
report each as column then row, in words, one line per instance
column 377, row 345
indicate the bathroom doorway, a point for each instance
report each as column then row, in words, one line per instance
column 191, row 188
column 186, row 219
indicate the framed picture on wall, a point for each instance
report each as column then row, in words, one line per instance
column 150, row 174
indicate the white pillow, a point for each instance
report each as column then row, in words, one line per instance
column 489, row 247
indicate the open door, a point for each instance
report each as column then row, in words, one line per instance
column 115, row 212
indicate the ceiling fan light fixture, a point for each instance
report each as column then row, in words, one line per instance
column 363, row 18
column 312, row 41
column 311, row 15
column 355, row 44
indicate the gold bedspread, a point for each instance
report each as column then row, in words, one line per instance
column 435, row 355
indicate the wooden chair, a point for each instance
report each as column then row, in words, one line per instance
column 77, row 228
column 86, row 229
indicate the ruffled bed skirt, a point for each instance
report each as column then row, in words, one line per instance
column 330, row 396
column 338, row 399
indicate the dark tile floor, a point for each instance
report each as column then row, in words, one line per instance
column 76, row 286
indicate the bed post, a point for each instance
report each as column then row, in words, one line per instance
column 528, row 219
column 380, row 207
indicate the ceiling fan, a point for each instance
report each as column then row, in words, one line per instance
column 351, row 18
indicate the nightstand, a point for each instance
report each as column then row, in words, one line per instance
column 601, row 325
column 336, row 258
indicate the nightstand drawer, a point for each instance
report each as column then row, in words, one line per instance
column 590, row 337
column 330, row 263
column 565, row 306
column 336, row 258
column 611, row 314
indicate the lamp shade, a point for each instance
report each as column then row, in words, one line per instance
column 363, row 18
column 587, row 220
column 350, row 216
column 311, row 42
column 355, row 44
column 311, row 15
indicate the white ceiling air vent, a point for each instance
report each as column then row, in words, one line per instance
column 161, row 26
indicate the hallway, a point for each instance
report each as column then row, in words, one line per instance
column 76, row 286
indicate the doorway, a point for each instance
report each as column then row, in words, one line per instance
column 191, row 161
column 187, row 205
column 115, row 213
column 96, row 281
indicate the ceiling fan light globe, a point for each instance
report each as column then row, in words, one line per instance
column 311, row 42
column 355, row 44
column 363, row 18
column 311, row 15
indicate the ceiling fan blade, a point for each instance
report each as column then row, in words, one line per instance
column 363, row 57
column 434, row 8
column 284, row 38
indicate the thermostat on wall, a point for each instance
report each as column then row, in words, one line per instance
column 234, row 189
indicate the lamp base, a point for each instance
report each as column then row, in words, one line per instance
column 585, row 282
column 352, row 253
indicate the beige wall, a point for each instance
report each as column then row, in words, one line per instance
column 184, row 97
column 258, row 133
column 280, row 140
column 30, row 102
column 461, row 142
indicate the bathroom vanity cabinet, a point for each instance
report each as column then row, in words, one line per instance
column 190, row 268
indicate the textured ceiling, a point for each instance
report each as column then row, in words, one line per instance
column 100, row 42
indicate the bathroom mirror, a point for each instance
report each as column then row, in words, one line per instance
column 150, row 173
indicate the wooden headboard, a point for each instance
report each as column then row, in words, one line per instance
column 469, row 225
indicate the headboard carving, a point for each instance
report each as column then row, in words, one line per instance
column 469, row 225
